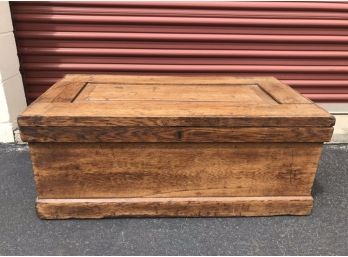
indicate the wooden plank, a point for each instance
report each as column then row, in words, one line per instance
column 238, row 94
column 61, row 87
column 84, row 94
column 174, row 207
column 52, row 92
column 69, row 92
column 164, row 113
column 176, row 134
column 157, row 101
column 282, row 92
column 158, row 79
column 85, row 170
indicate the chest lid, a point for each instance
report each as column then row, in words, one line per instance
column 172, row 101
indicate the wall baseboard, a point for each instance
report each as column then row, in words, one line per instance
column 340, row 134
column 6, row 132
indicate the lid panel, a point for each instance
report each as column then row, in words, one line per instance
column 98, row 100
column 232, row 93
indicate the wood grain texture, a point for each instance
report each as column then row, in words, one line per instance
column 158, row 79
column 52, row 93
column 69, row 92
column 176, row 134
column 234, row 93
column 87, row 170
column 105, row 146
column 173, row 101
column 173, row 207
column 162, row 113
column 281, row 92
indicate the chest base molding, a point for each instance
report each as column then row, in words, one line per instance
column 173, row 207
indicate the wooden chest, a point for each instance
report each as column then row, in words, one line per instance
column 105, row 146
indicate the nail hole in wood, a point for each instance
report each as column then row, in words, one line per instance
column 179, row 134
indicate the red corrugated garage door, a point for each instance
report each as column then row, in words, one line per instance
column 305, row 44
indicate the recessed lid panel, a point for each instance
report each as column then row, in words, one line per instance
column 232, row 93
column 106, row 100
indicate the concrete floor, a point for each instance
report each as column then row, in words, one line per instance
column 325, row 232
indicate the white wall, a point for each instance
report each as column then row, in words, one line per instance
column 340, row 111
column 12, row 99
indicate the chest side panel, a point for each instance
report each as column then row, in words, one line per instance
column 66, row 170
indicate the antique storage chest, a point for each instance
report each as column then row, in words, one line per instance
column 105, row 146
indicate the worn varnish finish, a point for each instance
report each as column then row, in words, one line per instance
column 71, row 170
column 273, row 104
column 106, row 146
column 175, row 134
column 174, row 207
